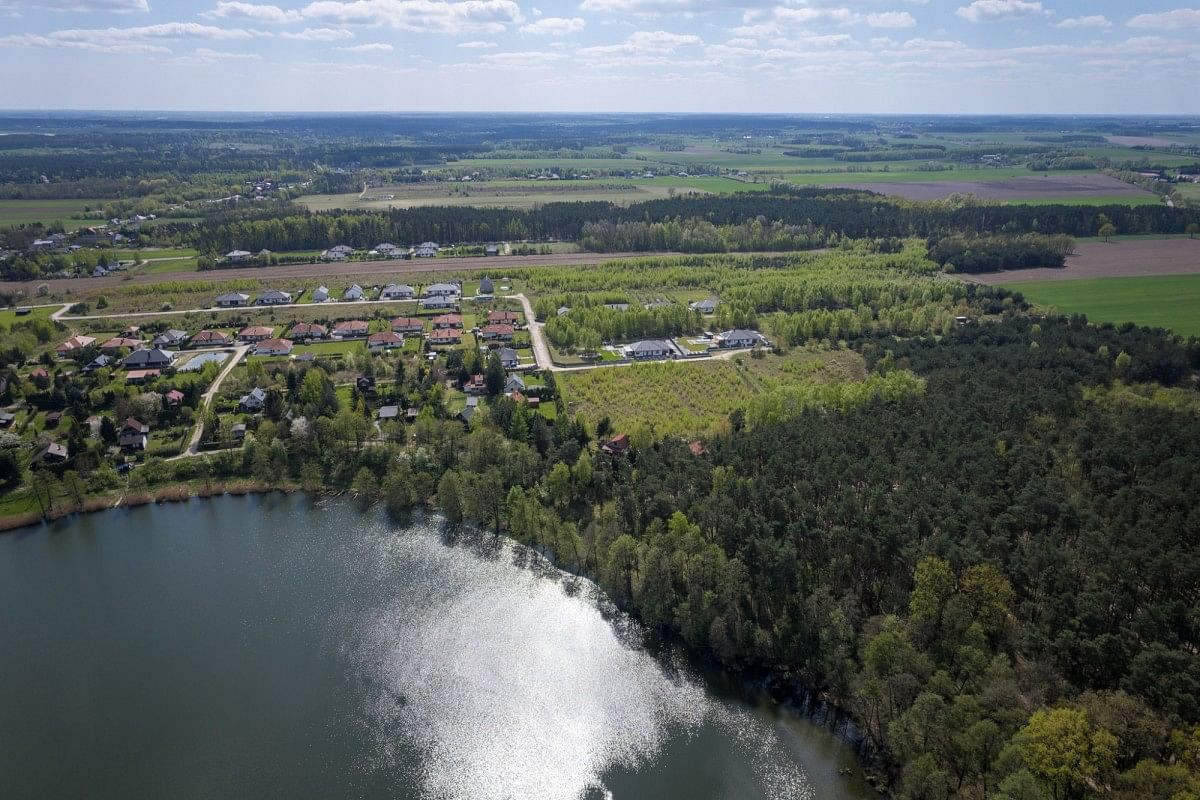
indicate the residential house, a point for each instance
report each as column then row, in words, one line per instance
column 503, row 317
column 445, row 336
column 365, row 384
column 307, row 331
column 355, row 292
column 496, row 333
column 40, row 377
column 426, row 250
column 238, row 431
column 739, row 338
column 134, row 435
column 514, row 384
column 255, row 333
column 232, row 300
column 174, row 398
column 384, row 340
column 53, row 453
column 508, row 358
column 395, row 291
column 649, row 348
column 99, row 362
column 475, row 385
column 466, row 414
column 448, row 321
column 442, row 290
column 338, row 253
column 118, row 343
column 388, row 413
column 436, row 303
column 170, row 338
column 486, row 287
column 320, row 295
column 407, row 325
column 151, row 358
column 273, row 347
column 77, row 342
column 350, row 329
column 254, row 400
column 562, row 310
column 388, row 250
column 708, row 306
column 99, row 272
column 273, row 297
column 53, row 418
column 617, row 445
column 211, row 339
column 238, row 256
column 491, row 250
column 142, row 375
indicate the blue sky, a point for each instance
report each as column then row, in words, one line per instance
column 805, row 56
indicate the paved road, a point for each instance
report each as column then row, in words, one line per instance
column 193, row 448
column 494, row 264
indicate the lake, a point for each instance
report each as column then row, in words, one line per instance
column 273, row 646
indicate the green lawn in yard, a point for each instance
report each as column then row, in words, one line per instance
column 1166, row 301
column 9, row 315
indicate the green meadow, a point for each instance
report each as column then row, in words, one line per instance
column 1165, row 301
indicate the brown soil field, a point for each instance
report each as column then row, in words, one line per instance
column 496, row 264
column 1008, row 189
column 1143, row 141
column 1112, row 260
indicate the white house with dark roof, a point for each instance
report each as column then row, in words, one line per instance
column 443, row 290
column 254, row 400
column 238, row 256
column 397, row 291
column 170, row 338
column 708, row 306
column 739, row 338
column 274, row 297
column 152, row 358
column 438, row 302
column 355, row 292
column 426, row 250
column 320, row 295
column 508, row 358
column 649, row 348
column 232, row 300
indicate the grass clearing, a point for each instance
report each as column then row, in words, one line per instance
column 1166, row 301
column 681, row 399
column 26, row 212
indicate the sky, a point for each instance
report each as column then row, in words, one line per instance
column 795, row 56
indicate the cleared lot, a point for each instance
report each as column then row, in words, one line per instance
column 1112, row 260
column 1024, row 188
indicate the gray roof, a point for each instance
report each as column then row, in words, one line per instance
column 649, row 346
column 705, row 305
column 353, row 292
column 232, row 296
column 155, row 356
column 486, row 286
column 466, row 414
column 389, row 412
column 507, row 354
column 442, row 287
column 741, row 334
column 274, row 294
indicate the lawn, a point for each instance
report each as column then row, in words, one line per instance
column 24, row 212
column 9, row 315
column 680, row 399
column 1167, row 301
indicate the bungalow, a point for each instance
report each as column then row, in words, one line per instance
column 232, row 300
column 442, row 290
column 508, row 358
column 426, row 250
column 445, row 336
column 389, row 250
column 99, row 362
column 74, row 343
column 475, row 385
column 273, row 347
column 388, row 412
column 739, row 338
column 438, row 302
column 350, row 329
column 617, row 445
column 708, row 306
column 120, row 343
column 134, row 435
column 503, row 317
column 238, row 431
column 174, row 398
column 648, row 348
column 253, row 401
column 466, row 414
column 53, row 453
column 211, row 339
column 273, row 297
column 170, row 338
column 499, row 333
column 486, row 287
column 307, row 330
column 238, row 256
column 384, row 340
column 320, row 295
column 255, row 333
column 407, row 325
column 397, row 292
column 141, row 375
column 338, row 253
column 491, row 250
column 355, row 292
column 153, row 358
column 514, row 384
column 447, row 321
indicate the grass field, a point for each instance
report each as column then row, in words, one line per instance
column 689, row 399
column 1166, row 301
column 24, row 212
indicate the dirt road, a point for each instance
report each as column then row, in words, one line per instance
column 206, row 399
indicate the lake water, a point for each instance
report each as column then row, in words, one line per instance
column 271, row 646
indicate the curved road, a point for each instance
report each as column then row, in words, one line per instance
column 193, row 448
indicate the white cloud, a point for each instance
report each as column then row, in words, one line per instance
column 165, row 30
column 477, row 45
column 233, row 9
column 645, row 42
column 554, row 26
column 318, row 35
column 522, row 60
column 32, row 40
column 434, row 16
column 1179, row 19
column 373, row 47
column 1092, row 21
column 891, row 19
column 1001, row 10
column 203, row 56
